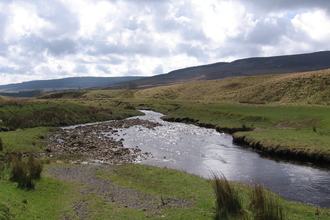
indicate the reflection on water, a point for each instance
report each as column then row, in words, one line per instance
column 201, row 151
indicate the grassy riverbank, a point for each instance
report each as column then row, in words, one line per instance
column 177, row 195
column 299, row 132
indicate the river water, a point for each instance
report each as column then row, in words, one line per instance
column 201, row 151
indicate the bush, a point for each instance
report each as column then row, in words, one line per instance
column 24, row 173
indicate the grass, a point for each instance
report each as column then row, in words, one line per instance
column 55, row 199
column 51, row 199
column 28, row 114
column 27, row 140
column 307, row 87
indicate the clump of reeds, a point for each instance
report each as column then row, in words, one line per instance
column 24, row 173
column 264, row 205
column 228, row 202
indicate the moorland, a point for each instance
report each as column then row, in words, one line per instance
column 282, row 115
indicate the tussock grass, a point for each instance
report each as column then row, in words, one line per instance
column 25, row 172
column 264, row 205
column 228, row 201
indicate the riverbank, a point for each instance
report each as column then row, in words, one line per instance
column 246, row 137
column 295, row 132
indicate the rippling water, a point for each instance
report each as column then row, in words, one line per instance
column 201, row 151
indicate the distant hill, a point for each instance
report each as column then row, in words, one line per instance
column 66, row 83
column 243, row 67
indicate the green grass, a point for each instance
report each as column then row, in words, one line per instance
column 51, row 199
column 27, row 140
column 167, row 183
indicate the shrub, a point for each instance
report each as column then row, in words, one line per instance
column 24, row 173
column 228, row 202
column 263, row 205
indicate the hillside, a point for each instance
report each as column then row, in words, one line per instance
column 66, row 83
column 306, row 87
column 243, row 67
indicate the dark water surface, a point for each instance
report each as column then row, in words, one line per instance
column 201, row 151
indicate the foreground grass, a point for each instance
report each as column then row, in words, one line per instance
column 51, row 199
column 54, row 199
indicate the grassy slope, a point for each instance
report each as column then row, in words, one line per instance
column 309, row 87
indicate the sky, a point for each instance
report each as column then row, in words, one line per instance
column 55, row 39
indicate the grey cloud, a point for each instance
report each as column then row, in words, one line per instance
column 103, row 69
column 60, row 47
column 112, row 60
column 3, row 21
column 158, row 70
column 3, row 49
column 64, row 22
column 192, row 51
column 269, row 32
column 271, row 5
column 80, row 69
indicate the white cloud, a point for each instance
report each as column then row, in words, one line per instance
column 314, row 24
column 63, row 38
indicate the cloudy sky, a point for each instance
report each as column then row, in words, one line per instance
column 50, row 39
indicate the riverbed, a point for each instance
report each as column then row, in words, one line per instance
column 201, row 151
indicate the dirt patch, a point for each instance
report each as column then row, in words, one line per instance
column 118, row 195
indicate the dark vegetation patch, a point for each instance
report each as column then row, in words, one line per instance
column 23, row 171
column 66, row 94
column 231, row 85
column 252, row 102
column 28, row 114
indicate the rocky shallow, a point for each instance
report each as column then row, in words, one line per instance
column 95, row 142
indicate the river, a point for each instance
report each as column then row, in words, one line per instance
column 201, row 151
